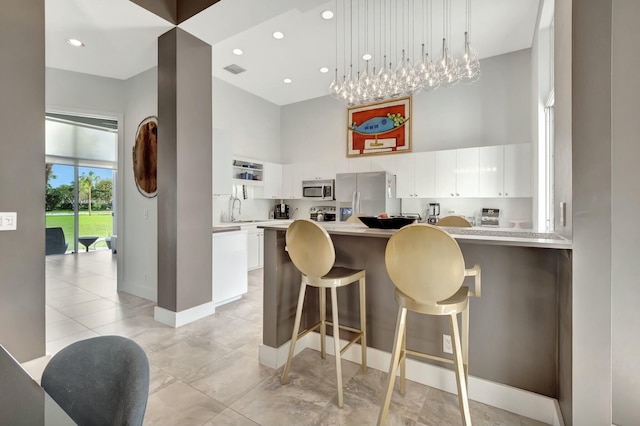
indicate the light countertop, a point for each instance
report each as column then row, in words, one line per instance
column 475, row 235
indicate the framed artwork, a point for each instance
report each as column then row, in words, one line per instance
column 145, row 157
column 380, row 128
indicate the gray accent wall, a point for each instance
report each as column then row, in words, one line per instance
column 625, row 205
column 591, row 190
column 22, row 178
column 184, row 171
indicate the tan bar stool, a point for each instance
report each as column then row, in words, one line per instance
column 354, row 218
column 426, row 266
column 454, row 221
column 312, row 252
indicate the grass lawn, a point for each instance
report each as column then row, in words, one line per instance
column 100, row 224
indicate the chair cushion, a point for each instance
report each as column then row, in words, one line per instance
column 100, row 381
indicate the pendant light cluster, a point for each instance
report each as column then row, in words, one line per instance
column 384, row 50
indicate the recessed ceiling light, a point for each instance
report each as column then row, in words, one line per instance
column 74, row 42
column 324, row 70
column 237, row 52
column 366, row 56
column 278, row 35
column 287, row 81
column 327, row 14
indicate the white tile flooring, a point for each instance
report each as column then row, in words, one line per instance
column 207, row 372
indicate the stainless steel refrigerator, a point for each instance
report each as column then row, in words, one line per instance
column 369, row 193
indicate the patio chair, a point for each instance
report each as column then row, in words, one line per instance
column 56, row 243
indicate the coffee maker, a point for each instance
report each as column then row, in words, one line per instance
column 432, row 213
column 282, row 211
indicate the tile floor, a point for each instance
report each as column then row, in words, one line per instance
column 207, row 372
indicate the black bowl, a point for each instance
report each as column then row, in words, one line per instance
column 393, row 222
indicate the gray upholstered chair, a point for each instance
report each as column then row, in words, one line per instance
column 100, row 381
column 56, row 243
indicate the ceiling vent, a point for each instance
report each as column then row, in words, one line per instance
column 234, row 69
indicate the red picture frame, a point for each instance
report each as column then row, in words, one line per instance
column 379, row 128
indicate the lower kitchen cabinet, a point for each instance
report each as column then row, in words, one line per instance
column 255, row 248
column 229, row 266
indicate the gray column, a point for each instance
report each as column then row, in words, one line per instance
column 22, row 178
column 184, row 171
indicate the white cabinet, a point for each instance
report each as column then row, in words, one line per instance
column 517, row 170
column 255, row 248
column 415, row 175
column 359, row 164
column 457, row 173
column 491, row 171
column 291, row 182
column 505, row 171
column 316, row 170
column 229, row 273
column 272, row 180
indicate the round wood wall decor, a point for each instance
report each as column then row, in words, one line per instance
column 145, row 157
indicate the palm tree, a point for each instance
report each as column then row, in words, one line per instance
column 87, row 181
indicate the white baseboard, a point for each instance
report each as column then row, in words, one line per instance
column 519, row 401
column 178, row 319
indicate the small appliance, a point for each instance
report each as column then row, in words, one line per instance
column 319, row 189
column 432, row 213
column 282, row 211
column 322, row 213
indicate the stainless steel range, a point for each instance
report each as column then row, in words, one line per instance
column 322, row 213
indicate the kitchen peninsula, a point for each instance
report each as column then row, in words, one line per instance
column 518, row 329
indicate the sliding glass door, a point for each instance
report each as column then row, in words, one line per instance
column 81, row 155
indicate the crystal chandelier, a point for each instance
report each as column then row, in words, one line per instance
column 379, row 39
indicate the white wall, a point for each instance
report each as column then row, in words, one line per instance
column 139, row 241
column 86, row 93
column 251, row 123
column 625, row 205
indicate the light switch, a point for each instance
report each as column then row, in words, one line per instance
column 8, row 221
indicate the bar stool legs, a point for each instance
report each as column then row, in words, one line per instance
column 460, row 362
column 294, row 335
column 460, row 368
column 322, row 324
column 401, row 328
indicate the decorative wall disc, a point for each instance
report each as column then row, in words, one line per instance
column 145, row 157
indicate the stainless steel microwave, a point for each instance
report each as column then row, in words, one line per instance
column 321, row 189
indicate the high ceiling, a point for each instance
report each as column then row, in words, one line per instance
column 121, row 39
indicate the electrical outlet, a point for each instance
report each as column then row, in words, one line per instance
column 446, row 344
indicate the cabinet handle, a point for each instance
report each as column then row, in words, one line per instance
column 500, row 193
column 452, row 194
column 506, row 194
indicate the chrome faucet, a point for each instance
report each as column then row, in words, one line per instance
column 233, row 207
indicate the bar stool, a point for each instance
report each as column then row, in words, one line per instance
column 426, row 266
column 311, row 250
column 454, row 221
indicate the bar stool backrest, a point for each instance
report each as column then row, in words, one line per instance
column 425, row 263
column 310, row 248
column 454, row 221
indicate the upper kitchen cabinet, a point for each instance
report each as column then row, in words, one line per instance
column 415, row 175
column 491, row 171
column 517, row 170
column 317, row 170
column 272, row 180
column 505, row 171
column 456, row 173
column 291, row 181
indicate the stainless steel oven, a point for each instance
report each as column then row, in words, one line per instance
column 321, row 189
